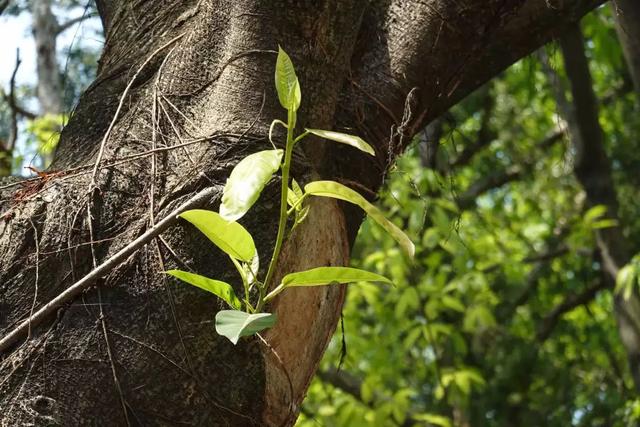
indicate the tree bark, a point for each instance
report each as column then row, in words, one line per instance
column 141, row 349
column 627, row 15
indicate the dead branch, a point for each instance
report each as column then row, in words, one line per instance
column 83, row 284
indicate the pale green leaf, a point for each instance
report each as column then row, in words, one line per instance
column 328, row 275
column 230, row 237
column 220, row 289
column 246, row 182
column 433, row 419
column 235, row 324
column 339, row 191
column 453, row 303
column 291, row 198
column 344, row 138
column 604, row 223
column 625, row 279
column 294, row 194
column 287, row 84
column 296, row 188
column 594, row 213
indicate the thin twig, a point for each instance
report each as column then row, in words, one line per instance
column 77, row 288
column 103, row 143
column 116, row 161
column 73, row 21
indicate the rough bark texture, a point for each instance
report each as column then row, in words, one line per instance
column 139, row 349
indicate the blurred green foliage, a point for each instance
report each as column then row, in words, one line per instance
column 476, row 334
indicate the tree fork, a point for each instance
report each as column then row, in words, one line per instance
column 359, row 61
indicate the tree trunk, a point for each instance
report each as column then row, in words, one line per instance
column 593, row 170
column 627, row 14
column 45, row 33
column 190, row 83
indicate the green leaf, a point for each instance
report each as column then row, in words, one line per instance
column 594, row 213
column 287, row 83
column 235, row 324
column 453, row 303
column 339, row 191
column 246, row 182
column 433, row 419
column 344, row 138
column 220, row 289
column 230, row 237
column 296, row 188
column 624, row 280
column 604, row 223
column 328, row 275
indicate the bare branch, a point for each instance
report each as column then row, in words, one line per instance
column 484, row 137
column 487, row 183
column 352, row 385
column 70, row 23
column 569, row 303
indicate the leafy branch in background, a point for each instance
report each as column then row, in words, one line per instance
column 242, row 190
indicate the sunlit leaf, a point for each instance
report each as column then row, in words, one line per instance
column 594, row 213
column 625, row 280
column 220, row 289
column 235, row 324
column 433, row 419
column 339, row 191
column 246, row 182
column 230, row 237
column 452, row 303
column 287, row 84
column 328, row 275
column 344, row 138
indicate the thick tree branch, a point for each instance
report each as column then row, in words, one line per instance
column 407, row 63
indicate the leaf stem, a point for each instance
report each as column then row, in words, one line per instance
column 245, row 282
column 301, row 136
column 274, row 292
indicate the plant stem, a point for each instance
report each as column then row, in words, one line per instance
column 282, row 224
column 245, row 283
